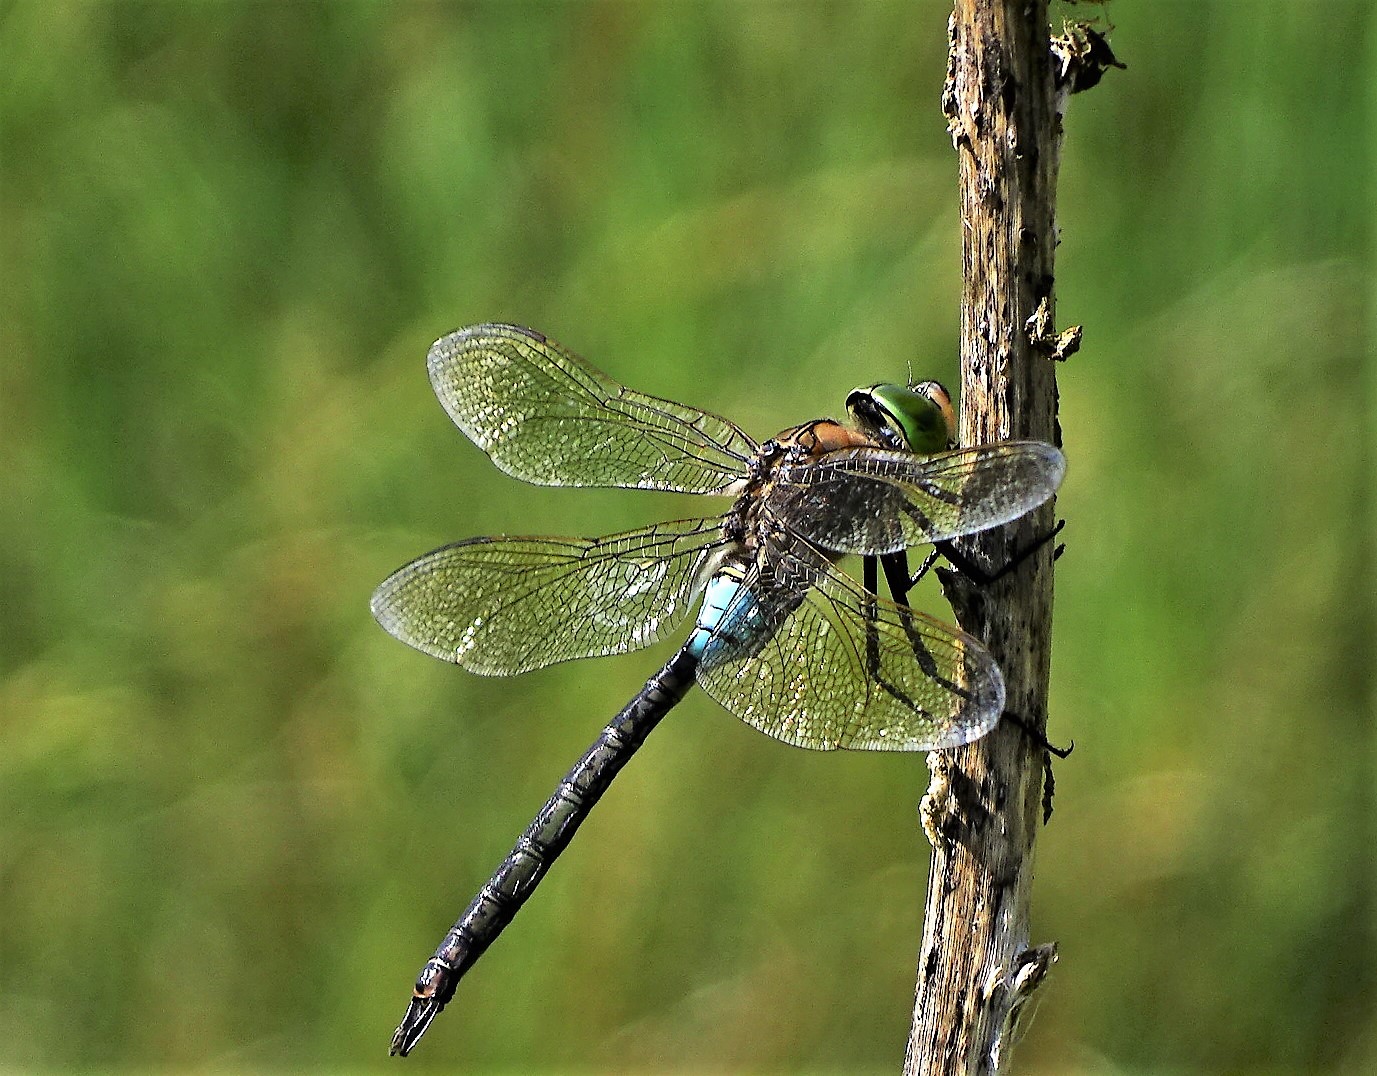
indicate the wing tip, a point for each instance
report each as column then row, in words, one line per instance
column 384, row 608
column 451, row 341
column 1055, row 459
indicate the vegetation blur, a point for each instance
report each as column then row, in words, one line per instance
column 236, row 817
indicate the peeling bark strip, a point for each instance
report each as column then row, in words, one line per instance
column 976, row 969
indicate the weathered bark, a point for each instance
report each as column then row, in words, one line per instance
column 983, row 808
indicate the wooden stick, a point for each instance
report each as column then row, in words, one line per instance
column 977, row 967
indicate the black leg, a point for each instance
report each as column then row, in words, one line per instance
column 1048, row 750
column 927, row 564
column 1038, row 736
column 1049, row 787
column 872, row 638
column 899, row 583
column 979, row 575
column 896, row 575
column 870, row 574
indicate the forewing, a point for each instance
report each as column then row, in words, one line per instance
column 499, row 606
column 845, row 669
column 545, row 416
column 876, row 500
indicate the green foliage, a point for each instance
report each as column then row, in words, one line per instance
column 235, row 817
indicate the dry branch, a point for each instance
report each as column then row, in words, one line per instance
column 976, row 967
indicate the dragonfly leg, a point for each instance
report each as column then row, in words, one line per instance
column 1038, row 737
column 979, row 575
column 1049, row 787
column 897, row 576
column 899, row 582
column 896, row 569
column 1049, row 749
column 925, row 567
column 871, row 581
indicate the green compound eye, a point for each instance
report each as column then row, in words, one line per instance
column 917, row 418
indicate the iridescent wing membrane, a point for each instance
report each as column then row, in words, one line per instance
column 876, row 501
column 544, row 415
column 500, row 606
column 829, row 665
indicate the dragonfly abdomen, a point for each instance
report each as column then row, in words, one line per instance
column 540, row 845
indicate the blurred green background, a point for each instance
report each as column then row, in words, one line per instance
column 236, row 817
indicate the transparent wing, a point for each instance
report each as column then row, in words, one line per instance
column 833, row 666
column 545, row 416
column 499, row 606
column 876, row 500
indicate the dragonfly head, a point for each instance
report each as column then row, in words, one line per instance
column 918, row 418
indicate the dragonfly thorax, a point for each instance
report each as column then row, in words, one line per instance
column 749, row 523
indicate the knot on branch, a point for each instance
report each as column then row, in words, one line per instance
column 1042, row 334
column 1030, row 969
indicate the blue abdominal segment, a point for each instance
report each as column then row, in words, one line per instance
column 730, row 623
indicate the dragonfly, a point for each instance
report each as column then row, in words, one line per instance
column 783, row 638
